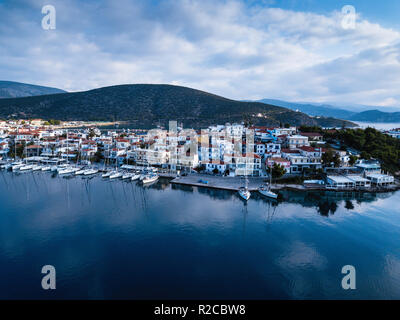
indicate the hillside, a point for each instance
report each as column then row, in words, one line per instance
column 10, row 89
column 147, row 105
column 376, row 116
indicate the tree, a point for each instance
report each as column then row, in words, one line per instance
column 352, row 160
column 330, row 157
column 278, row 171
column 91, row 134
column 365, row 155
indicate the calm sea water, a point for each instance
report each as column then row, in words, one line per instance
column 121, row 240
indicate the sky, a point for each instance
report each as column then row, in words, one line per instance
column 294, row 50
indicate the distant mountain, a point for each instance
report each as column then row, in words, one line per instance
column 323, row 110
column 326, row 110
column 146, row 105
column 376, row 116
column 10, row 89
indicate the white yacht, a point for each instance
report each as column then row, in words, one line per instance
column 67, row 171
column 266, row 191
column 46, row 168
column 244, row 192
column 150, row 178
column 59, row 167
column 6, row 166
column 116, row 175
column 79, row 172
column 127, row 175
column 26, row 167
column 107, row 174
column 16, row 165
column 36, row 167
column 135, row 177
column 90, row 172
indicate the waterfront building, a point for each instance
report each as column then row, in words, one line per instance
column 369, row 166
column 380, row 179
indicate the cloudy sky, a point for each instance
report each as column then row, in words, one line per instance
column 291, row 49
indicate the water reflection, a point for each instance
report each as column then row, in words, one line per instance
column 190, row 242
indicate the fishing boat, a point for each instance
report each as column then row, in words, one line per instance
column 150, row 178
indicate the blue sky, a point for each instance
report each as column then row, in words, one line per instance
column 384, row 12
column 242, row 49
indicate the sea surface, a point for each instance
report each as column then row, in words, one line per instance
column 120, row 240
column 378, row 125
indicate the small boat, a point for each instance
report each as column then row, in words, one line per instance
column 46, row 168
column 135, row 177
column 150, row 178
column 36, row 167
column 266, row 191
column 116, row 175
column 90, row 172
column 244, row 193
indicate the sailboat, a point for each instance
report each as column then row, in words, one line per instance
column 244, row 192
column 266, row 189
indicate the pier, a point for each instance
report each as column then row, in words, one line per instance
column 219, row 182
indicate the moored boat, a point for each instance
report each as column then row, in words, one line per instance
column 150, row 178
column 244, row 193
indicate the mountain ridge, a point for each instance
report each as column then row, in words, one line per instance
column 151, row 104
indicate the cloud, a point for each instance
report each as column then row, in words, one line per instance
column 229, row 48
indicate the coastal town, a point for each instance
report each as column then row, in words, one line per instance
column 237, row 157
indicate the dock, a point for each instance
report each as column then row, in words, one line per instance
column 219, row 182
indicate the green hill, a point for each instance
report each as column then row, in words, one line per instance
column 146, row 105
